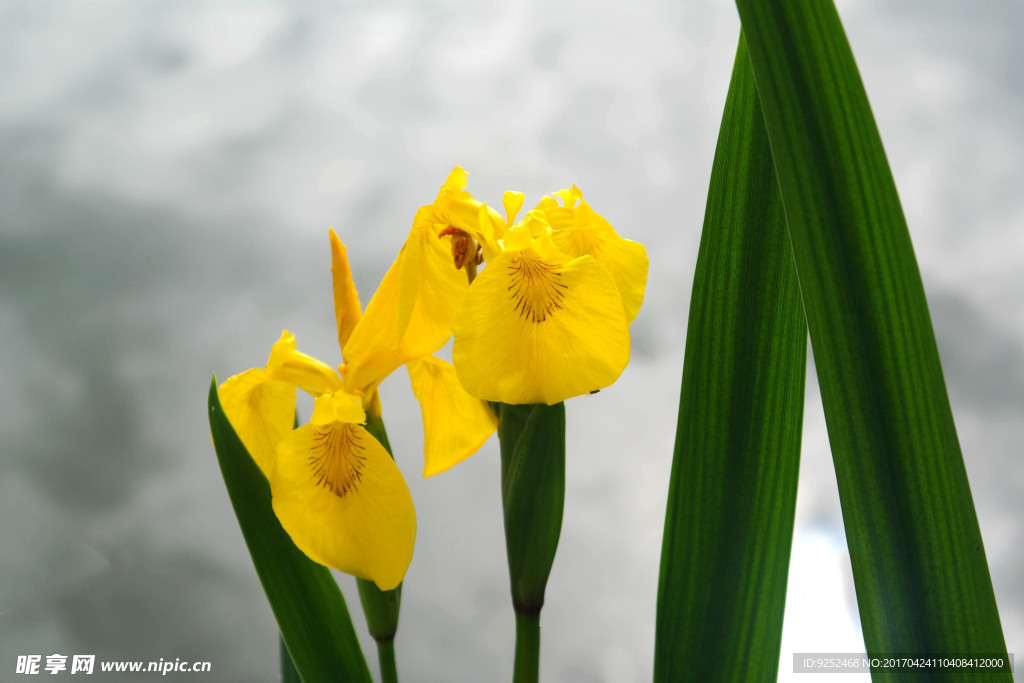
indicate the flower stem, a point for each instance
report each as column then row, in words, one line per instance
column 386, row 657
column 527, row 663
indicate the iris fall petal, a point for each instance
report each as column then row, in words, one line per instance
column 539, row 329
column 455, row 424
column 261, row 410
column 343, row 501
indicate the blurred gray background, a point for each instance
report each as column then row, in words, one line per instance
column 168, row 172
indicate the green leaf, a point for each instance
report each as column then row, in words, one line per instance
column 288, row 672
column 732, row 495
column 919, row 566
column 533, row 495
column 306, row 601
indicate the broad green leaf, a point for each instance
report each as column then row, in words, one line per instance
column 306, row 601
column 288, row 672
column 919, row 565
column 732, row 495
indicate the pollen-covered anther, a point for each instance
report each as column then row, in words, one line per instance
column 337, row 458
column 537, row 289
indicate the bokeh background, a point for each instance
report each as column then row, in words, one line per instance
column 168, row 172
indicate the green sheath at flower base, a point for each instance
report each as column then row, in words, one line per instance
column 381, row 609
column 532, row 493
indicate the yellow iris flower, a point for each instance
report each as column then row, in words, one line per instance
column 335, row 489
column 547, row 318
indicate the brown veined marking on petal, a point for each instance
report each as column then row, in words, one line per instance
column 337, row 460
column 536, row 289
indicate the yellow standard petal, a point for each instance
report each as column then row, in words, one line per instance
column 539, row 329
column 347, row 309
column 261, row 410
column 343, row 501
column 455, row 424
column 412, row 312
column 513, row 202
column 375, row 348
column 577, row 231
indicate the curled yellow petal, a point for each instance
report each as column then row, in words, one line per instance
column 577, row 230
column 343, row 501
column 540, row 329
column 455, row 206
column 376, row 347
column 307, row 373
column 412, row 312
column 261, row 410
column 347, row 309
column 455, row 424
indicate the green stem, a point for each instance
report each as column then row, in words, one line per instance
column 386, row 656
column 527, row 664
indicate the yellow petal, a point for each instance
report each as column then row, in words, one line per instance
column 412, row 312
column 540, row 330
column 456, row 207
column 347, row 309
column 518, row 237
column 513, row 202
column 456, row 180
column 307, row 373
column 431, row 280
column 374, row 350
column 455, row 424
column 340, row 406
column 372, row 406
column 261, row 410
column 343, row 501
column 577, row 231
